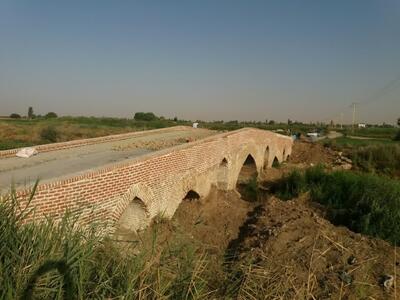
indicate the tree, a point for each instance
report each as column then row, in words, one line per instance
column 271, row 122
column 398, row 122
column 50, row 115
column 142, row 116
column 176, row 119
column 30, row 113
column 15, row 116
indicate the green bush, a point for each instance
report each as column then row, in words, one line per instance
column 49, row 134
column 50, row 115
column 141, row 116
column 250, row 190
column 290, row 186
column 378, row 158
column 397, row 136
column 365, row 203
column 15, row 116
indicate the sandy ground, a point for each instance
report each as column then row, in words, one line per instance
column 60, row 164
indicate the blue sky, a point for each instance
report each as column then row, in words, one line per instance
column 254, row 60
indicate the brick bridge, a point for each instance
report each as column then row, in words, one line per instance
column 132, row 192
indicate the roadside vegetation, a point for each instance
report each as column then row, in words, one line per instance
column 51, row 260
column 61, row 260
column 365, row 203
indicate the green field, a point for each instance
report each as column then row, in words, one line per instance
column 16, row 133
column 373, row 132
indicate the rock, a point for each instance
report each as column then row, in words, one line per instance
column 345, row 277
column 346, row 166
column 352, row 260
column 347, row 160
column 387, row 281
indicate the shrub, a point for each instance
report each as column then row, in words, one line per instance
column 365, row 203
column 50, row 115
column 15, row 116
column 397, row 136
column 250, row 190
column 290, row 186
column 378, row 158
column 49, row 134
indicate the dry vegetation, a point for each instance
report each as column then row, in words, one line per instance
column 218, row 247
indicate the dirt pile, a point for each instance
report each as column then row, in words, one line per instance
column 310, row 257
column 306, row 154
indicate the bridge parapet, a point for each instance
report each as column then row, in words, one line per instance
column 135, row 191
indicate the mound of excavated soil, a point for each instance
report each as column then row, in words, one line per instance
column 306, row 153
column 313, row 258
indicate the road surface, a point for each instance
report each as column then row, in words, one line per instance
column 60, row 164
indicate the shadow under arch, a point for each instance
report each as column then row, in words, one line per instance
column 135, row 216
column 191, row 195
column 275, row 162
column 248, row 170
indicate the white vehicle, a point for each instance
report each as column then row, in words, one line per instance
column 313, row 134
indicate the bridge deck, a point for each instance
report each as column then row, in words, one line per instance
column 61, row 164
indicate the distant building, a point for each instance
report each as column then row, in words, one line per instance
column 195, row 125
column 362, row 125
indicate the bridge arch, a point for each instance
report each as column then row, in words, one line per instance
column 222, row 174
column 248, row 170
column 191, row 195
column 133, row 211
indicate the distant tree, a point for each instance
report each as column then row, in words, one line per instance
column 142, row 116
column 15, row 116
column 271, row 122
column 30, row 112
column 266, row 121
column 50, row 115
column 289, row 122
column 176, row 119
column 398, row 122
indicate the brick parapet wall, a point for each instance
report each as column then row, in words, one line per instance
column 166, row 174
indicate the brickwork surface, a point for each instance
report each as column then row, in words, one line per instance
column 156, row 183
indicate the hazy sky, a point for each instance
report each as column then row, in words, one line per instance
column 304, row 60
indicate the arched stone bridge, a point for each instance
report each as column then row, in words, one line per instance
column 135, row 191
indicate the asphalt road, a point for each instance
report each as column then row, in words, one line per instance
column 48, row 166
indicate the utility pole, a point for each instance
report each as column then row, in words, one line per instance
column 354, row 104
column 341, row 120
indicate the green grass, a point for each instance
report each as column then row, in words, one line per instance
column 11, row 144
column 365, row 203
column 342, row 143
